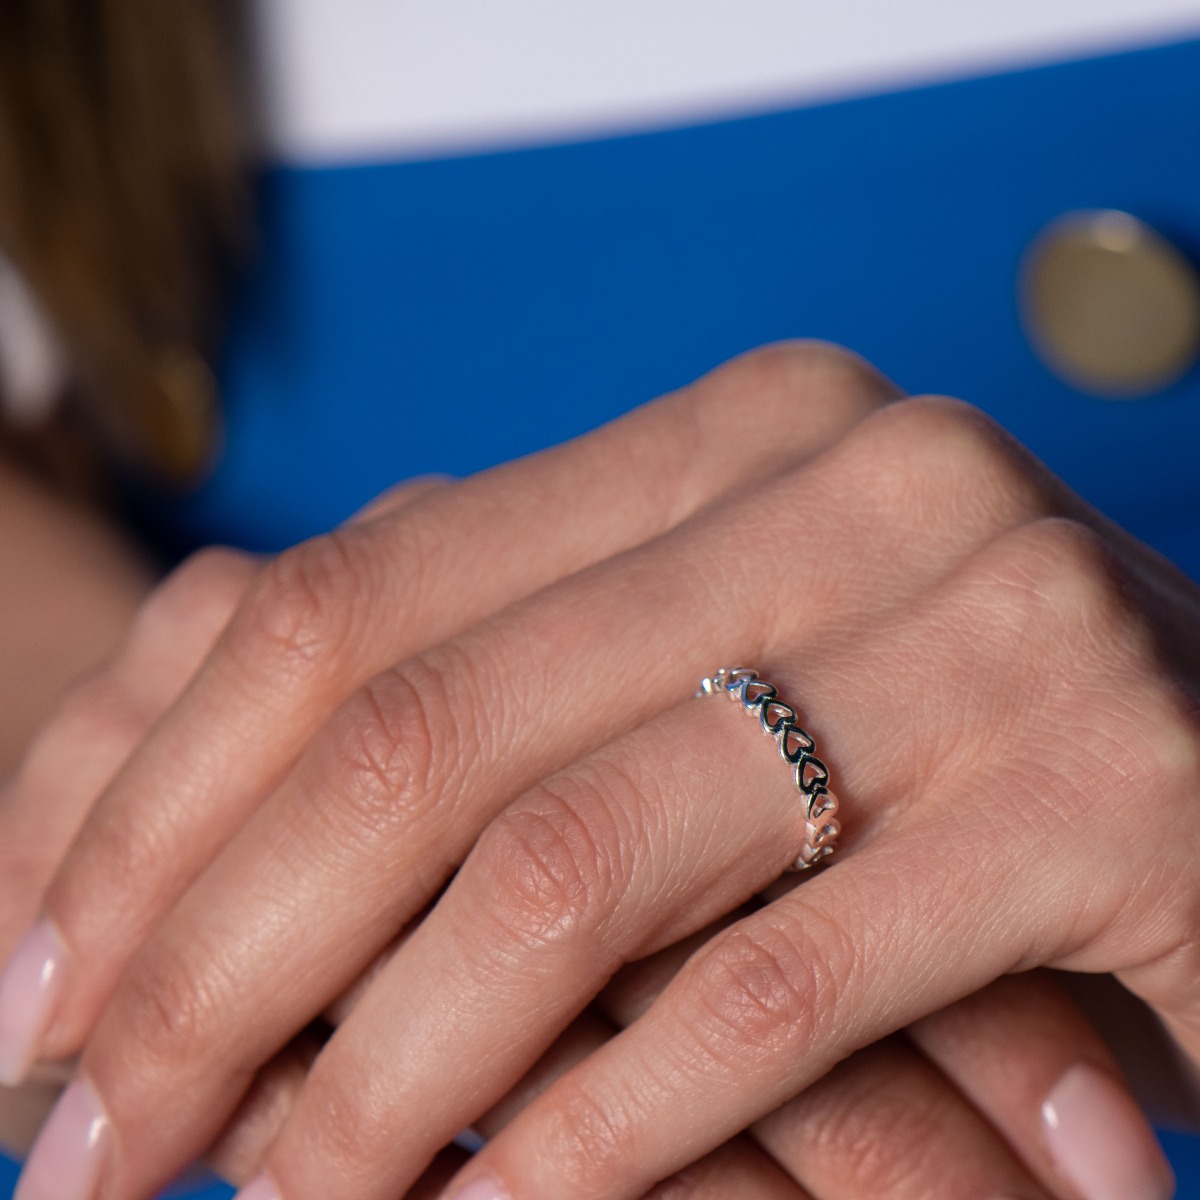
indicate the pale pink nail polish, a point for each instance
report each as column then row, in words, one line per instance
column 29, row 990
column 66, row 1159
column 1100, row 1141
column 479, row 1189
column 259, row 1188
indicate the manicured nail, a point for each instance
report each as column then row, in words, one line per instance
column 1100, row 1141
column 259, row 1188
column 29, row 990
column 479, row 1189
column 66, row 1159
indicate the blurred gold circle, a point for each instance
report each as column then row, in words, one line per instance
column 184, row 428
column 1111, row 306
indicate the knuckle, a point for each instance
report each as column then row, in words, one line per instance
column 587, row 1140
column 216, row 574
column 760, row 989
column 557, row 874
column 95, row 715
column 905, row 448
column 1059, row 575
column 172, row 1008
column 394, row 752
column 797, row 364
column 303, row 606
column 868, row 1128
column 348, row 1107
column 1072, row 629
column 778, row 375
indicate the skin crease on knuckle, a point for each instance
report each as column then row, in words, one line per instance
column 556, row 875
column 759, row 991
column 392, row 755
column 305, row 608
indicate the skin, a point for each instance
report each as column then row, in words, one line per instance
column 133, row 665
column 70, row 589
column 366, row 725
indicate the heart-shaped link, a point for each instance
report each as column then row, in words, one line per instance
column 796, row 748
column 811, row 775
column 774, row 715
column 795, row 745
column 822, row 804
column 757, row 692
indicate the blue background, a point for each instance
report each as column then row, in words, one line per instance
column 446, row 315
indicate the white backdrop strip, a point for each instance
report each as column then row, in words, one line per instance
column 359, row 79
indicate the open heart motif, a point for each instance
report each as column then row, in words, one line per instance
column 732, row 678
column 796, row 748
column 795, row 745
column 811, row 855
column 824, row 835
column 822, row 804
column 756, row 692
column 774, row 715
column 811, row 775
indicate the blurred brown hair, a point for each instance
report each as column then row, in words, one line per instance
column 124, row 137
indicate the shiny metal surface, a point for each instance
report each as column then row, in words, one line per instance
column 796, row 748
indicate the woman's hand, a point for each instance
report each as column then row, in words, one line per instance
column 900, row 579
column 100, row 723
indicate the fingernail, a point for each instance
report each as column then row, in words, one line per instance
column 29, row 991
column 260, row 1188
column 66, row 1158
column 1100, row 1140
column 479, row 1189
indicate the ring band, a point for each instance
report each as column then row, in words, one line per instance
column 796, row 748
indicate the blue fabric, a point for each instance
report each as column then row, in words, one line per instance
column 446, row 315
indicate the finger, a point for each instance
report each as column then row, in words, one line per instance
column 1006, row 1050
column 237, row 1153
column 389, row 799
column 739, row 1168
column 887, row 1123
column 1029, row 1060
column 97, row 724
column 1164, row 1082
column 1007, row 853
column 323, row 618
column 401, row 496
column 93, row 731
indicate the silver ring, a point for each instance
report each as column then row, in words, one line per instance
column 796, row 748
